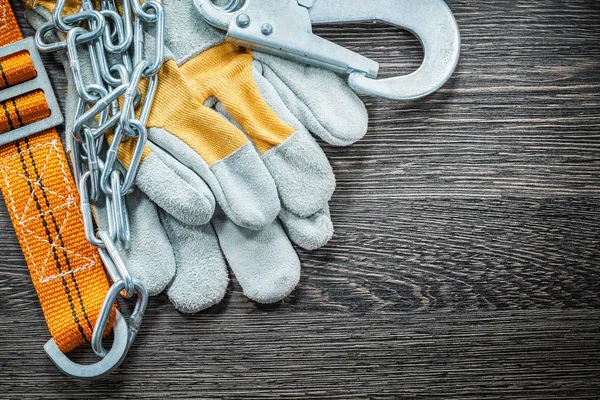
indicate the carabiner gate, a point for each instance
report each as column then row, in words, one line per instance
column 284, row 28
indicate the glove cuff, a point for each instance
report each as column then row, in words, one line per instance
column 187, row 34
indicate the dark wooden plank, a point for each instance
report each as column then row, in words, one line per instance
column 466, row 261
column 527, row 354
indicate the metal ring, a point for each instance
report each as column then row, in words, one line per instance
column 106, row 365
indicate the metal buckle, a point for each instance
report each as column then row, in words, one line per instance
column 41, row 82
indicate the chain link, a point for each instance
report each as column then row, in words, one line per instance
column 113, row 39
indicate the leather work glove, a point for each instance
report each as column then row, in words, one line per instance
column 232, row 124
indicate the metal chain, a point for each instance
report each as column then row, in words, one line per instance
column 113, row 40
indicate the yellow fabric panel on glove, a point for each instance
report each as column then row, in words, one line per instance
column 71, row 6
column 223, row 72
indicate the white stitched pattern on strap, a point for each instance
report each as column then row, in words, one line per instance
column 65, row 205
column 3, row 18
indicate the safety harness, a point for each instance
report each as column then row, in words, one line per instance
column 40, row 193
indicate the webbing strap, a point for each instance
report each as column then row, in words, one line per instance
column 43, row 203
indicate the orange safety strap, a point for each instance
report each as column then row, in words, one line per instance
column 43, row 203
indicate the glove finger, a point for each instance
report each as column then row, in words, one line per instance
column 320, row 99
column 175, row 188
column 202, row 278
column 310, row 233
column 264, row 262
column 301, row 171
column 241, row 184
column 150, row 257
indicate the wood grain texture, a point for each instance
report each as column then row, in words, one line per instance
column 466, row 261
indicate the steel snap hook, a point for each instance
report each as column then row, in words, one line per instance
column 289, row 35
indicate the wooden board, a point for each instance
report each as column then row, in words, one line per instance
column 466, row 261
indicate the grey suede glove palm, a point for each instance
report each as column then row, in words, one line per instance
column 273, row 187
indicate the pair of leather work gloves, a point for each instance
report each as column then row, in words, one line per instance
column 231, row 174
